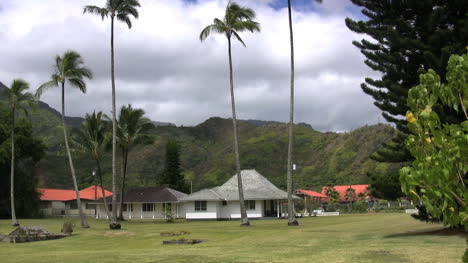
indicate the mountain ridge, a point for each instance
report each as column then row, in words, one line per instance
column 207, row 153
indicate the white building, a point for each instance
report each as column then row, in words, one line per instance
column 262, row 199
column 146, row 203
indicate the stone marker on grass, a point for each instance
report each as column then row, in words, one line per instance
column 24, row 234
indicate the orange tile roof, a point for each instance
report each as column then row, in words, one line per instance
column 69, row 195
column 312, row 193
column 90, row 193
column 57, row 194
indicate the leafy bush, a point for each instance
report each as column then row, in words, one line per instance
column 331, row 208
column 438, row 174
column 359, row 207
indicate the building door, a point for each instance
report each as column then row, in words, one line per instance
column 269, row 208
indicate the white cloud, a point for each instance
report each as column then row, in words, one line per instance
column 162, row 66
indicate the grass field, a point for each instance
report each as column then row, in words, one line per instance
column 347, row 238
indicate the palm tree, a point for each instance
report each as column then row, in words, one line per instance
column 69, row 69
column 122, row 10
column 17, row 100
column 93, row 138
column 236, row 19
column 291, row 217
column 133, row 129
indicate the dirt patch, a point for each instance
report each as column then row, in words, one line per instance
column 381, row 255
column 115, row 233
column 174, row 233
column 183, row 241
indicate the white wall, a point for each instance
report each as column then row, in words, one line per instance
column 69, row 211
column 137, row 212
column 215, row 210
column 210, row 213
column 232, row 210
column 52, row 208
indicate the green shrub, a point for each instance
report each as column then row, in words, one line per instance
column 359, row 207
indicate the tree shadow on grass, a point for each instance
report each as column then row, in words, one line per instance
column 438, row 232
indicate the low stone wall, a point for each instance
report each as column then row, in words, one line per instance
column 24, row 234
column 32, row 238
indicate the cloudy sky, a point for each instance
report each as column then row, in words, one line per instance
column 162, row 67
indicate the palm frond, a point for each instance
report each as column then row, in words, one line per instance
column 206, row 32
column 16, row 95
column 92, row 137
column 238, row 37
column 92, row 9
column 236, row 19
column 218, row 26
column 124, row 18
column 234, row 12
column 129, row 7
column 246, row 25
column 123, row 9
column 78, row 83
column 54, row 82
column 133, row 127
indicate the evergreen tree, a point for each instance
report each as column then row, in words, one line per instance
column 172, row 175
column 409, row 37
column 28, row 151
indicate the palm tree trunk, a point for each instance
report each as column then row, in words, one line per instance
column 84, row 222
column 14, row 222
column 122, row 186
column 244, row 218
column 291, row 217
column 114, row 132
column 98, row 164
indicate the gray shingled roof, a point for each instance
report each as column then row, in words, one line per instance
column 149, row 195
column 255, row 186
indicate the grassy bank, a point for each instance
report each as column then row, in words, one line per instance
column 347, row 238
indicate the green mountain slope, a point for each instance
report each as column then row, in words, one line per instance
column 321, row 158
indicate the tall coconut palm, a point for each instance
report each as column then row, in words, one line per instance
column 291, row 217
column 122, row 10
column 69, row 69
column 236, row 19
column 133, row 129
column 17, row 100
column 93, row 138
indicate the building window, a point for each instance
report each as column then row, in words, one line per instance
column 200, row 205
column 148, row 207
column 90, row 206
column 224, row 203
column 249, row 204
column 73, row 205
column 125, row 206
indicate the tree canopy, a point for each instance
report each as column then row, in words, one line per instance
column 29, row 150
column 404, row 39
column 439, row 173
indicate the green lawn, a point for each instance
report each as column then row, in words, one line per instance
column 346, row 238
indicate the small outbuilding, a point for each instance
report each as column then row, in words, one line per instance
column 262, row 199
column 147, row 203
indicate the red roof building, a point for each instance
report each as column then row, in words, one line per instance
column 91, row 193
column 56, row 194
column 341, row 189
column 311, row 194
